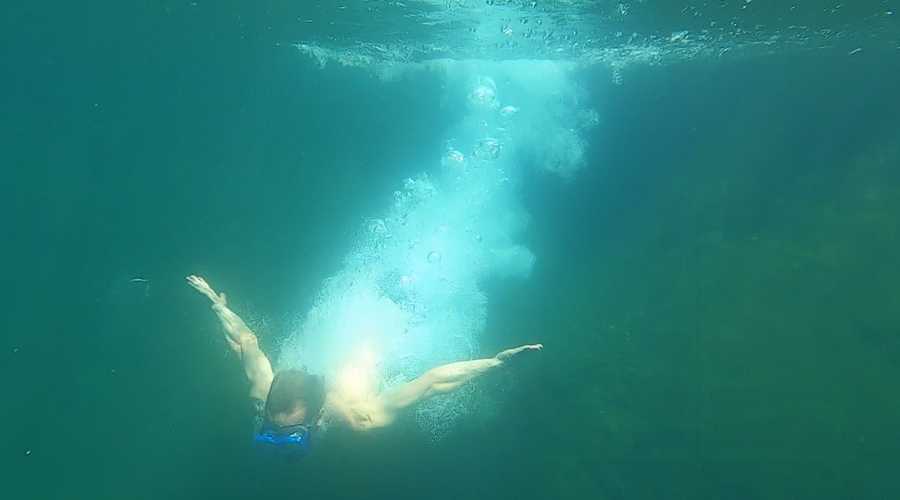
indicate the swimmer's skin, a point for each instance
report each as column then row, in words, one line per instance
column 361, row 412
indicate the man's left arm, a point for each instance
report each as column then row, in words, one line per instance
column 445, row 378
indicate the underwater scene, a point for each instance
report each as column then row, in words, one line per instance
column 455, row 249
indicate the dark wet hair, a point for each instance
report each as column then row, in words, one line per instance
column 296, row 388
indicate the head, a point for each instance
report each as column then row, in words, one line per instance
column 296, row 397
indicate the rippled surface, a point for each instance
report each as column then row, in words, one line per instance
column 615, row 33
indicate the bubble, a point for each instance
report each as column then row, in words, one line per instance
column 488, row 148
column 508, row 111
column 376, row 226
column 617, row 76
column 453, row 158
column 434, row 257
column 483, row 95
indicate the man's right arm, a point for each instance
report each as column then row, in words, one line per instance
column 242, row 340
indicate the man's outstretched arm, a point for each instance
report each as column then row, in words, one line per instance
column 241, row 339
column 436, row 381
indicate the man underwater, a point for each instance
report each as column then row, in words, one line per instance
column 292, row 403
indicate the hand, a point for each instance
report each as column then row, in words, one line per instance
column 203, row 287
column 503, row 356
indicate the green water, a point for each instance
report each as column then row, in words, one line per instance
column 717, row 291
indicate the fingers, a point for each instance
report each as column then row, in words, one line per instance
column 195, row 281
column 529, row 347
column 502, row 356
column 198, row 283
column 203, row 287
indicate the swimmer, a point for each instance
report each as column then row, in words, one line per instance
column 292, row 403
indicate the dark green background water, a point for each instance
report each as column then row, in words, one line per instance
column 717, row 291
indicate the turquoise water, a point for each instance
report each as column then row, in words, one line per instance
column 716, row 291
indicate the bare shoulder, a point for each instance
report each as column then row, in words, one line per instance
column 359, row 413
column 353, row 394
